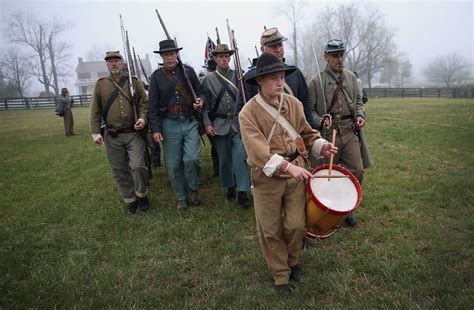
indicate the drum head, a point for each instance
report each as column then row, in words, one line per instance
column 339, row 195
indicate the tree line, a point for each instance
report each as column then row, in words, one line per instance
column 37, row 50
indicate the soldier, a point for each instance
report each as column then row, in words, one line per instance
column 211, row 67
column 67, row 103
column 271, row 41
column 272, row 122
column 217, row 116
column 125, row 148
column 340, row 98
column 173, row 123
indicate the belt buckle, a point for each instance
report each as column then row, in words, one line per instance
column 229, row 116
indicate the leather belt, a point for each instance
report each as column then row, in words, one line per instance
column 126, row 130
column 177, row 109
column 223, row 116
column 344, row 117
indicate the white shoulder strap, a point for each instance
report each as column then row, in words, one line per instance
column 276, row 114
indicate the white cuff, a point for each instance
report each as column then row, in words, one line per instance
column 317, row 146
column 272, row 165
column 96, row 136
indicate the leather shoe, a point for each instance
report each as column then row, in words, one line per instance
column 144, row 204
column 282, row 289
column 351, row 220
column 182, row 205
column 243, row 200
column 295, row 274
column 132, row 207
column 194, row 198
column 230, row 194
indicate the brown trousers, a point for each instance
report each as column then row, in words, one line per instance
column 280, row 215
column 68, row 122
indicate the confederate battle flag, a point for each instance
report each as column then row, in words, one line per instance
column 207, row 51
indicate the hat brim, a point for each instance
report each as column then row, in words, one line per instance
column 337, row 51
column 276, row 41
column 113, row 57
column 287, row 69
column 168, row 50
column 230, row 52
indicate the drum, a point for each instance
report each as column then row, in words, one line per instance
column 330, row 200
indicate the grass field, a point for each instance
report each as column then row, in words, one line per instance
column 66, row 242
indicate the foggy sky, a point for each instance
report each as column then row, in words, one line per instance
column 424, row 29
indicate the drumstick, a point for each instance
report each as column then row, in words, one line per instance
column 331, row 158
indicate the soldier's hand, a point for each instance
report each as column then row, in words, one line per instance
column 97, row 138
column 299, row 173
column 360, row 122
column 210, row 131
column 198, row 104
column 158, row 137
column 328, row 149
column 327, row 120
column 140, row 124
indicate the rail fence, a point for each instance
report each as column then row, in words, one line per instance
column 32, row 103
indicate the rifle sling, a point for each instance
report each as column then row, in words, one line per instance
column 114, row 96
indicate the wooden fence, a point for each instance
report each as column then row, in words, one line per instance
column 33, row 103
column 464, row 92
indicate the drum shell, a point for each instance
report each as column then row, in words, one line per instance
column 321, row 220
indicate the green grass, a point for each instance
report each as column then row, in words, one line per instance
column 66, row 242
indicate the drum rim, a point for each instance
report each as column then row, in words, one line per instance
column 354, row 180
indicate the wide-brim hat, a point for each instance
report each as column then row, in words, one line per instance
column 167, row 46
column 269, row 63
column 271, row 36
column 335, row 46
column 222, row 49
column 113, row 54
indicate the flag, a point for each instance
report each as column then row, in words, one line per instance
column 207, row 51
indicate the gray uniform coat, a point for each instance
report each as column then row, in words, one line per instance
column 352, row 95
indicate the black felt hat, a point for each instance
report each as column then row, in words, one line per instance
column 167, row 46
column 269, row 63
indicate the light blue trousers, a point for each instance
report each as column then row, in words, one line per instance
column 232, row 161
column 182, row 150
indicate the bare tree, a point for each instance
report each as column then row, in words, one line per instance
column 396, row 71
column 448, row 69
column 17, row 69
column 368, row 41
column 97, row 52
column 42, row 37
column 294, row 12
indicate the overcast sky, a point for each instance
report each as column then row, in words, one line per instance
column 424, row 29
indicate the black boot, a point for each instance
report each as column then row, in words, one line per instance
column 295, row 274
column 144, row 204
column 351, row 220
column 132, row 207
column 231, row 194
column 243, row 200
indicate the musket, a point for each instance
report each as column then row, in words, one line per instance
column 136, row 64
column 256, row 51
column 218, row 39
column 131, row 71
column 181, row 67
column 238, row 68
column 143, row 70
column 322, row 89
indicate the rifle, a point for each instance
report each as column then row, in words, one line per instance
column 256, row 51
column 181, row 67
column 238, row 68
column 136, row 63
column 218, row 39
column 144, row 132
column 143, row 70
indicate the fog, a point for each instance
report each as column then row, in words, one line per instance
column 424, row 29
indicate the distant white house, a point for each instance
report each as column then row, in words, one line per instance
column 87, row 73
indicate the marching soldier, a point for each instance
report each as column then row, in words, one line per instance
column 125, row 147
column 173, row 124
column 339, row 106
column 218, row 115
column 271, row 41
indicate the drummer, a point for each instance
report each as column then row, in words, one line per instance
column 278, row 175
